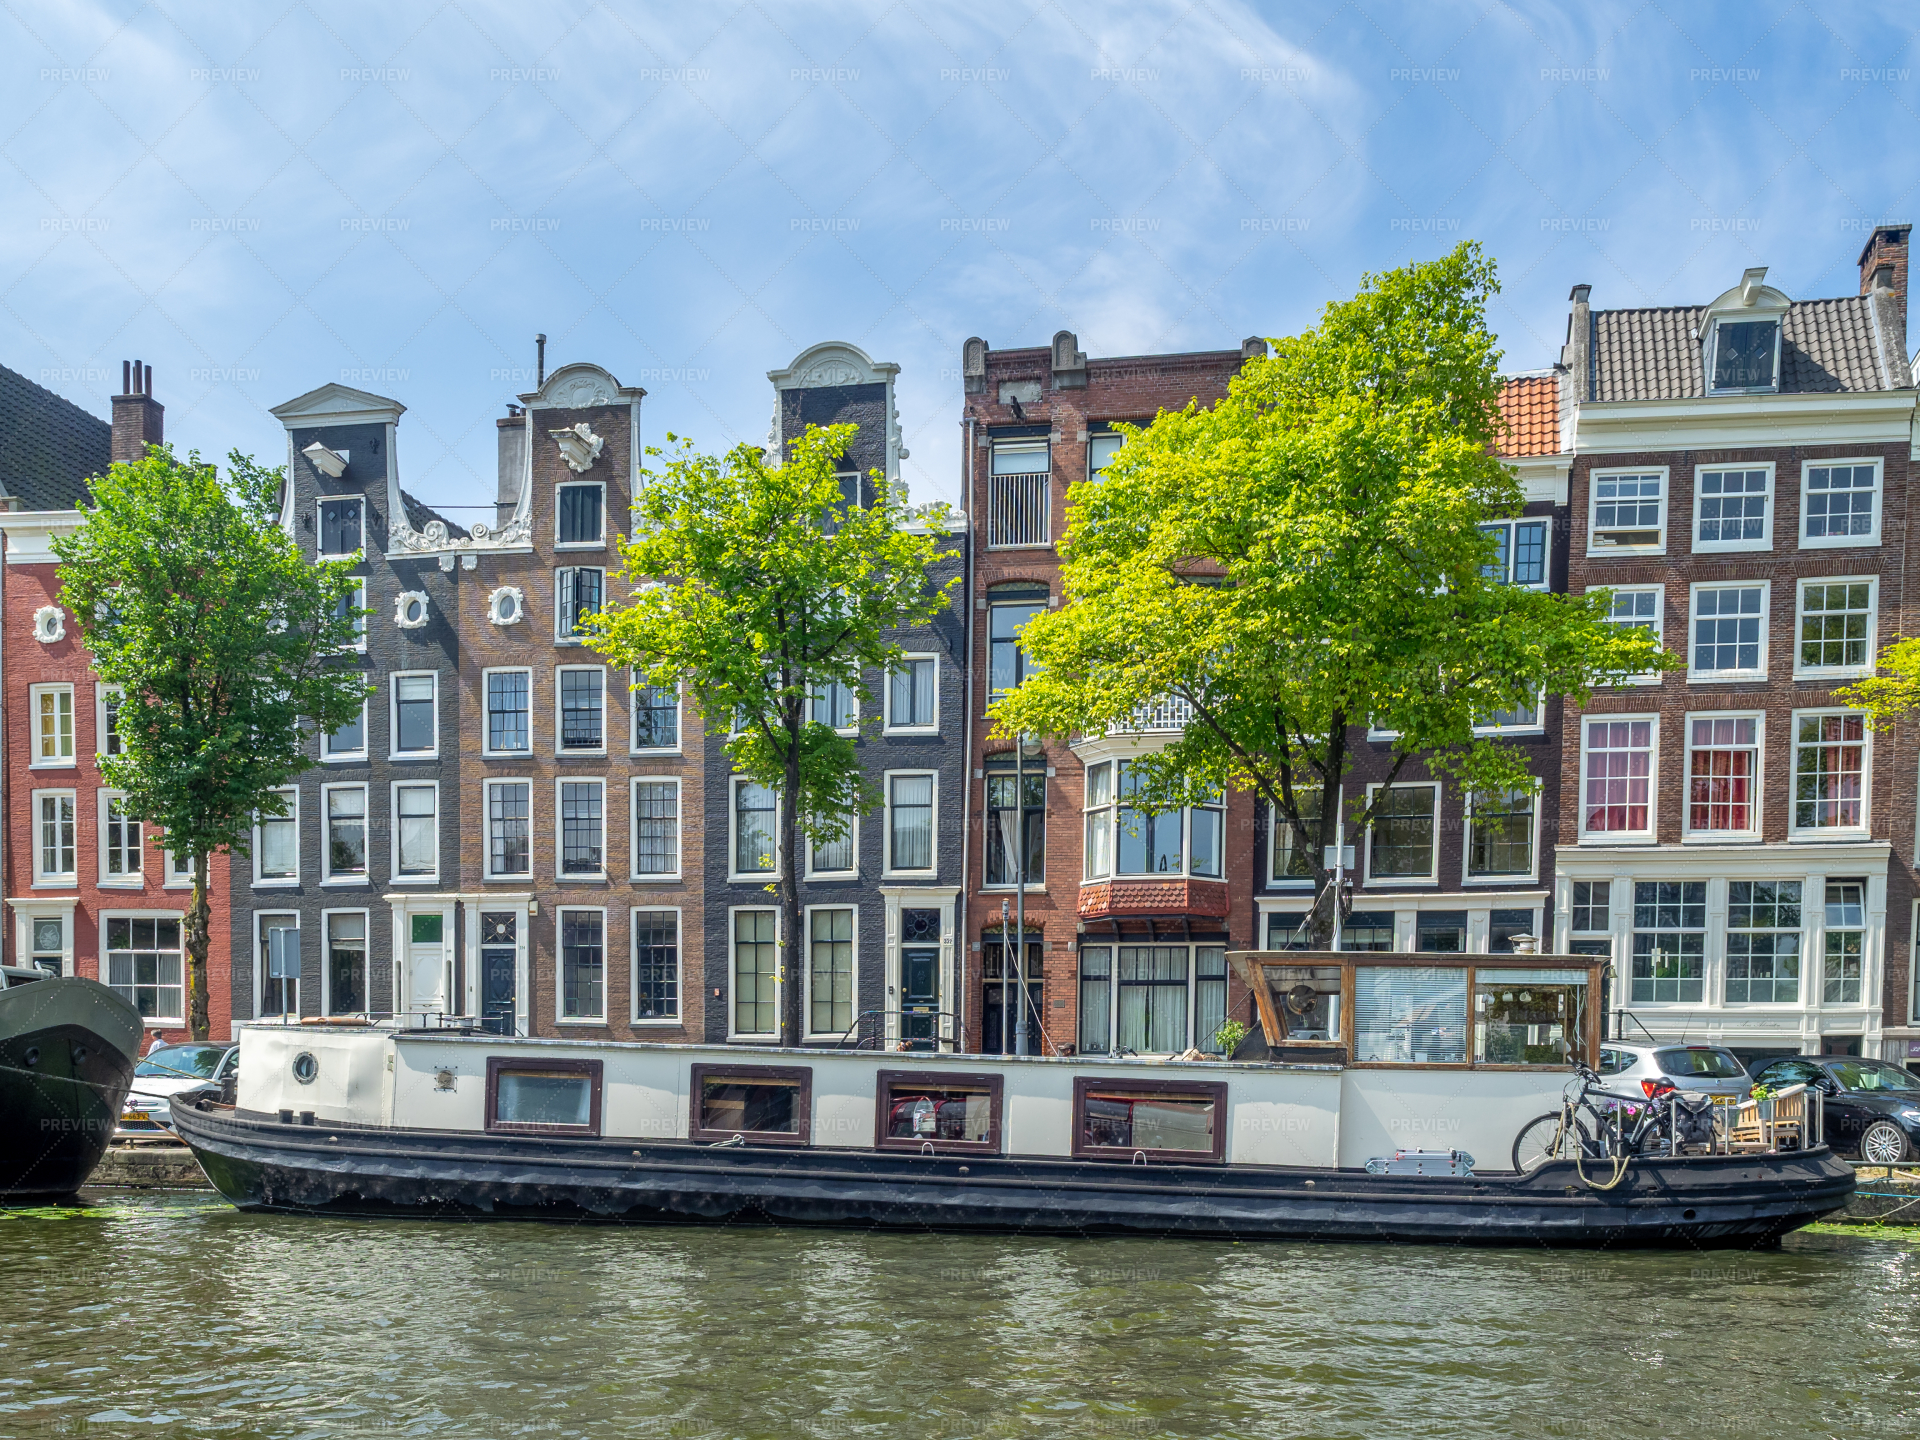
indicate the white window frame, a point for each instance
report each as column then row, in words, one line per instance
column 559, row 722
column 320, row 502
column 173, row 877
column 853, row 698
column 394, row 787
column 633, row 828
column 578, row 877
column 1845, row 542
column 327, row 877
column 779, row 981
column 634, row 747
column 291, row 817
column 559, row 612
column 1538, row 727
column 1659, row 593
column 486, row 712
column 1596, row 552
column 560, row 913
column 578, row 545
column 1432, row 877
column 1696, row 676
column 1651, row 834
column 1546, row 522
column 101, row 694
column 1864, row 829
column 260, row 976
column 137, row 880
column 734, row 782
column 70, row 760
column 487, row 788
column 151, row 1022
column 1718, row 547
column 853, row 849
column 326, row 967
column 888, row 724
column 676, row 1021
column 1710, row 837
column 1710, row 352
column 335, row 757
column 394, row 752
column 59, row 879
column 806, row 968
column 358, row 601
column 1532, row 873
column 1837, row 672
column 1286, row 883
column 888, row 868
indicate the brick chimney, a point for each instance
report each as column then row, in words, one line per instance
column 1883, row 270
column 139, row 420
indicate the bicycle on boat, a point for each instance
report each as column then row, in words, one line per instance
column 1612, row 1130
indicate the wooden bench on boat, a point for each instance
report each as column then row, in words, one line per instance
column 1782, row 1121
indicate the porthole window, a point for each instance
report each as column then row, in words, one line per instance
column 410, row 609
column 305, row 1067
column 49, row 624
column 506, row 605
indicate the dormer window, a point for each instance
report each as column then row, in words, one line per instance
column 1746, row 355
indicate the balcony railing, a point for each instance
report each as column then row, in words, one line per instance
column 1169, row 714
column 1019, row 508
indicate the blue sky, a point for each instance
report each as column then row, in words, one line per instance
column 259, row 199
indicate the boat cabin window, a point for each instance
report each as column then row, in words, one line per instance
column 1162, row 1120
column 1528, row 1017
column 1307, row 999
column 1413, row 1014
column 916, row 1109
column 761, row 1104
column 546, row 1097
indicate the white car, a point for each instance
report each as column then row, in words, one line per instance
column 1707, row 1069
column 168, row 1071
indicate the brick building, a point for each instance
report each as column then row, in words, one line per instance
column 1730, row 832
column 90, row 890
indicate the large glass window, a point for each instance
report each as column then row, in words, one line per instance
column 1165, row 1119
column 1291, row 859
column 656, row 827
column 347, row 963
column 1669, row 940
column 830, row 971
column 509, row 813
column 1839, row 504
column 1841, row 971
column 944, row 1111
column 1629, row 512
column 1400, row 841
column 1096, row 993
column 1729, row 630
column 1723, row 754
column 1743, row 354
column 754, row 816
column 583, row 709
column 1829, row 772
column 1006, row 660
column 509, row 711
column 656, row 964
column 1149, row 842
column 1763, row 942
column 414, row 728
column 125, row 853
column 52, row 724
column 346, row 831
column 656, row 717
column 1528, row 1017
column 1618, row 777
column 580, row 510
column 583, row 965
column 1521, row 554
column 1410, row 1014
column 553, row 1097
column 912, row 699
column 583, row 827
column 277, row 841
column 1099, row 822
column 578, row 593
column 417, row 819
column 144, row 964
column 1153, row 999
column 758, row 1103
column 755, row 972
column 1501, row 842
column 910, row 822
column 1008, row 820
column 1836, row 624
column 1730, row 509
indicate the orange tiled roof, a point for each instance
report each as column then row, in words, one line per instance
column 1531, row 406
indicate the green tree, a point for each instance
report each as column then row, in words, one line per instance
column 1893, row 694
column 191, row 597
column 1306, row 559
column 754, row 585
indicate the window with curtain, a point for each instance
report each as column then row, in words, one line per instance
column 277, row 843
column 1153, row 998
column 1410, row 1014
column 508, row 710
column 911, row 699
column 833, row 705
column 910, row 822
column 144, row 965
column 347, row 963
column 417, row 817
column 656, row 827
column 1096, row 999
column 754, row 813
column 582, row 828
column 1209, row 995
column 1008, row 820
column 583, row 965
column 582, row 710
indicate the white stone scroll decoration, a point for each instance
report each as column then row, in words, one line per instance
column 579, row 446
column 49, row 624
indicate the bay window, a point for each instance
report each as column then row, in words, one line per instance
column 1151, row 999
column 1125, row 838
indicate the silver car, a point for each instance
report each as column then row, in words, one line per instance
column 1704, row 1068
column 166, row 1073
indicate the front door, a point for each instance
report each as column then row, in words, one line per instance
column 426, row 964
column 499, row 958
column 998, row 1027
column 920, row 996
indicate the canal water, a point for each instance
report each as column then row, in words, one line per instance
column 171, row 1314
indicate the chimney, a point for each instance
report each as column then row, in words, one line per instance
column 1883, row 272
column 513, row 464
column 138, row 419
column 1575, row 355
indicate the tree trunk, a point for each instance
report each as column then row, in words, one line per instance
column 788, row 861
column 199, row 926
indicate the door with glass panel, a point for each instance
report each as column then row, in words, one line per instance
column 920, row 978
column 499, row 959
column 997, row 1022
column 426, row 963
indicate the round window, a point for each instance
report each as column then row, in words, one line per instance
column 416, row 611
column 506, row 605
column 49, row 624
column 305, row 1067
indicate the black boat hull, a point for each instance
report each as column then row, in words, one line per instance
column 67, row 1052
column 258, row 1163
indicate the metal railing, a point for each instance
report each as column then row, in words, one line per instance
column 1170, row 714
column 1019, row 510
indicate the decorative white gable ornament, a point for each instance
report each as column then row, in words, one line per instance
column 331, row 463
column 49, row 624
column 410, row 609
column 506, row 605
column 579, row 446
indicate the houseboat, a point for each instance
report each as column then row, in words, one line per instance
column 67, row 1051
column 1357, row 1057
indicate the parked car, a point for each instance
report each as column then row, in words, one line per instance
column 1873, row 1108
column 168, row 1071
column 1707, row 1069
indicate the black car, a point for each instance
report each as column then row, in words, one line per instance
column 1873, row 1108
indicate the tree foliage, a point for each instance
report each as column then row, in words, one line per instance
column 1305, row 559
column 1894, row 693
column 190, row 595
column 754, row 585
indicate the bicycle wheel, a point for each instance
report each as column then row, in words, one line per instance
column 1543, row 1139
